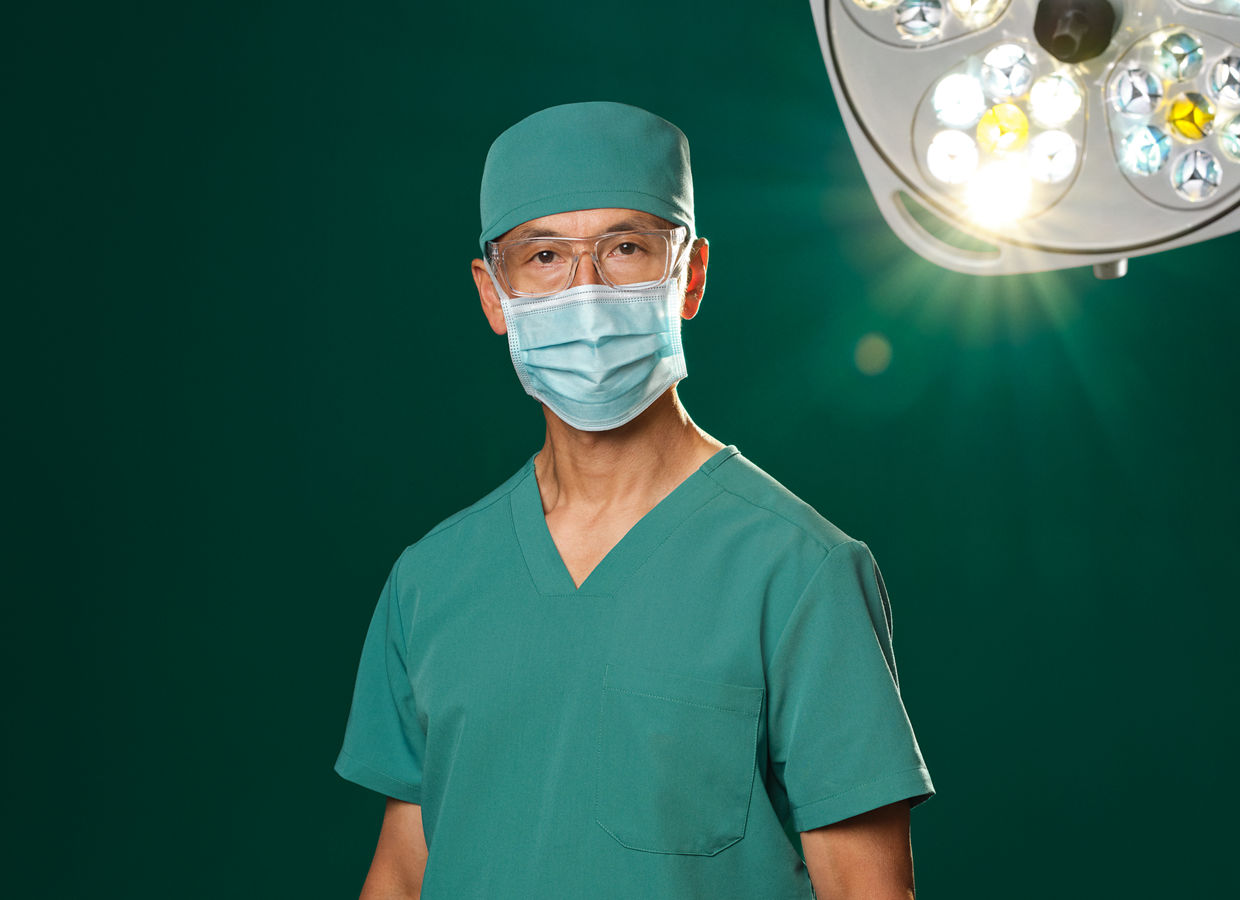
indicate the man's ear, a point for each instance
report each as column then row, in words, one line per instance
column 699, row 256
column 490, row 299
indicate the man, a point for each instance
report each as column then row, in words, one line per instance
column 640, row 665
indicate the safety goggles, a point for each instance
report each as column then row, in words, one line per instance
column 538, row 266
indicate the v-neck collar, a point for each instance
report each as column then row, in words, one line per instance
column 546, row 567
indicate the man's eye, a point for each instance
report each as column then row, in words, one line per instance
column 626, row 248
column 545, row 257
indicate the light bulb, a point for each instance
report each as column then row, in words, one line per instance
column 951, row 157
column 1052, row 156
column 1054, row 100
column 1003, row 129
column 958, row 100
column 1007, row 71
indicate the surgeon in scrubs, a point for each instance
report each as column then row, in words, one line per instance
column 639, row 668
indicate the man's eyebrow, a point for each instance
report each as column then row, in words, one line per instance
column 521, row 232
column 653, row 223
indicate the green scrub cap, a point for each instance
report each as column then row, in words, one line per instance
column 586, row 156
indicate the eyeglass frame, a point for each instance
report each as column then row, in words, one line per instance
column 495, row 249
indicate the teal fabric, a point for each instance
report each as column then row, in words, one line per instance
column 723, row 677
column 594, row 155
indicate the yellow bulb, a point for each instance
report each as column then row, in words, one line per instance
column 1003, row 128
column 1191, row 116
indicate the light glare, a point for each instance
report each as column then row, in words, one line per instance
column 999, row 194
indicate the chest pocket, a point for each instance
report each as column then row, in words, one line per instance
column 676, row 761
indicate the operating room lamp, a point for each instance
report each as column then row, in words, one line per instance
column 1046, row 133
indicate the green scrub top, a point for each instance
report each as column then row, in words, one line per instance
column 722, row 679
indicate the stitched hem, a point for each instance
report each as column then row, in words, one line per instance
column 368, row 776
column 908, row 784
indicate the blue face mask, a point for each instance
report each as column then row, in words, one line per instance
column 596, row 355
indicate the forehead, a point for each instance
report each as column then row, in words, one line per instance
column 586, row 223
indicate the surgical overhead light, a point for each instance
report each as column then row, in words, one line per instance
column 1058, row 133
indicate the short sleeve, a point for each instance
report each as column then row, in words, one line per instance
column 840, row 740
column 384, row 743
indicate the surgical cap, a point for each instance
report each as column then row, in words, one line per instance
column 586, row 156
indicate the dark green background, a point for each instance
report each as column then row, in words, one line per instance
column 247, row 367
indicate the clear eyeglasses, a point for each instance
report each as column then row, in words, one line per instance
column 538, row 266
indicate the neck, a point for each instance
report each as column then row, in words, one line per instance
column 634, row 465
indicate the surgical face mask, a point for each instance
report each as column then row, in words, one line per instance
column 596, row 355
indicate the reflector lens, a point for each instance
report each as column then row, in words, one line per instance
column 975, row 12
column 1180, row 56
column 1195, row 175
column 1229, row 139
column 1007, row 72
column 1137, row 92
column 1144, row 150
column 919, row 20
column 1225, row 80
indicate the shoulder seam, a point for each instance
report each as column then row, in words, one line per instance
column 457, row 518
column 827, row 546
